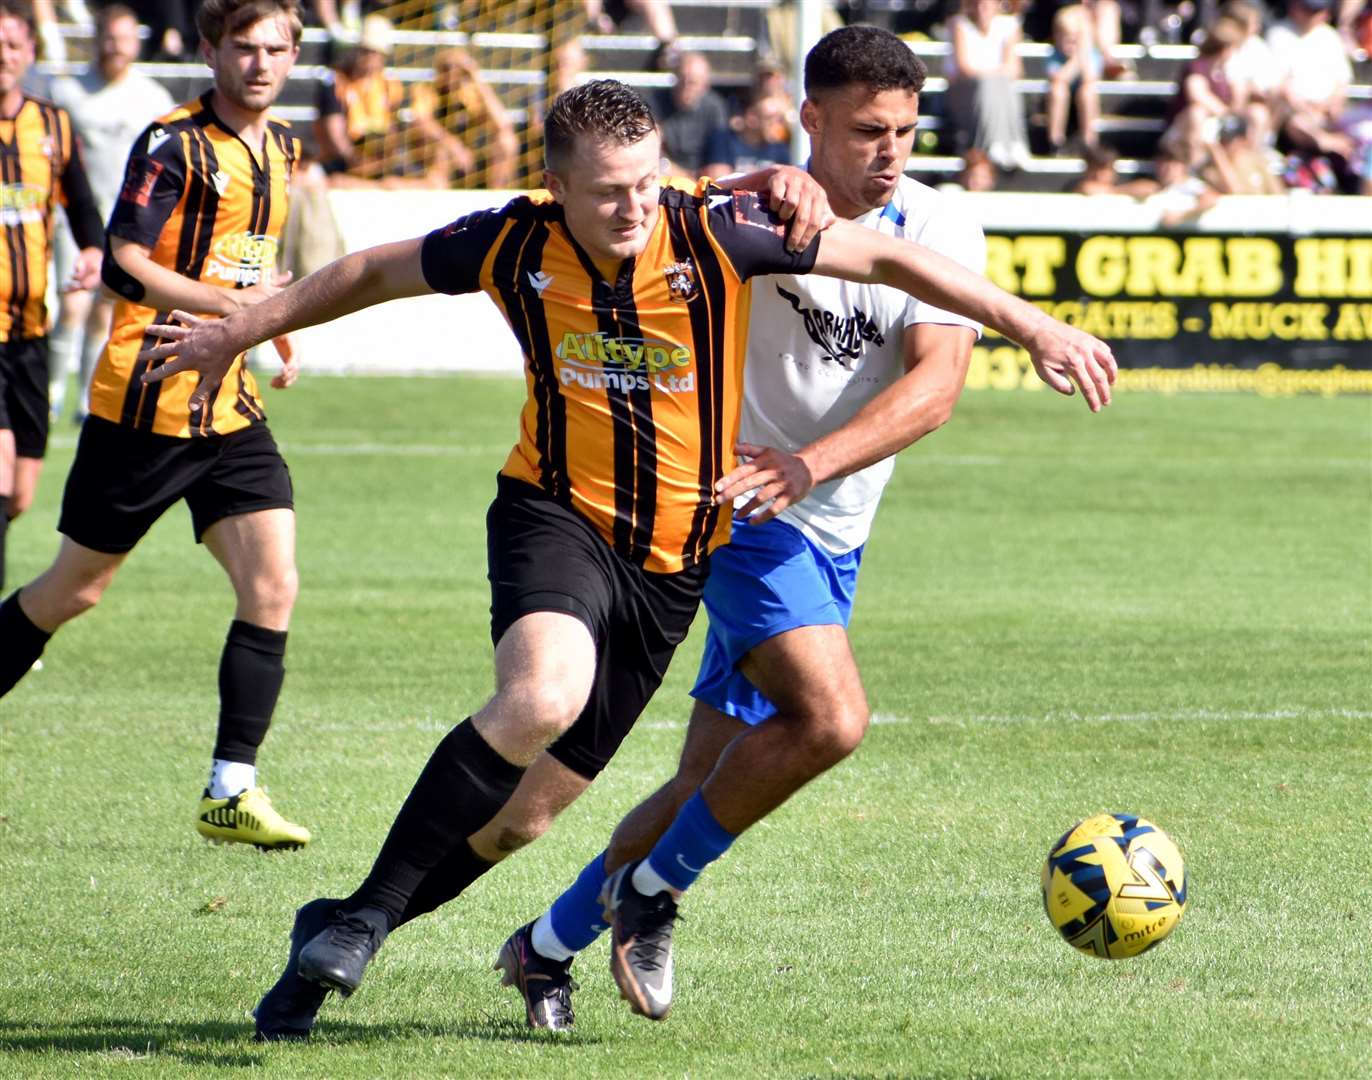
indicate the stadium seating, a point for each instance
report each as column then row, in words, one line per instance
column 733, row 33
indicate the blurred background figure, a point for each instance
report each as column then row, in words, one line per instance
column 1099, row 176
column 171, row 28
column 1252, row 65
column 1314, row 76
column 1177, row 193
column 359, row 129
column 1238, row 165
column 606, row 17
column 687, row 113
column 978, row 171
column 1074, row 68
column 985, row 107
column 467, row 130
column 1207, row 94
column 757, row 137
column 110, row 105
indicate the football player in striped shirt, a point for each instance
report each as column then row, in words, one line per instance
column 196, row 226
column 40, row 167
column 630, row 302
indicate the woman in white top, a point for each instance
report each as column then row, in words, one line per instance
column 983, row 65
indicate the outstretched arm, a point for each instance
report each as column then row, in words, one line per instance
column 1061, row 354
column 354, row 282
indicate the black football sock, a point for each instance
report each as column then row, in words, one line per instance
column 446, row 881
column 251, row 670
column 21, row 643
column 463, row 785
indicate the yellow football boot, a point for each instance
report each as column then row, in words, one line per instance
column 248, row 818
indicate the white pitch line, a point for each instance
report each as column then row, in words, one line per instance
column 1148, row 717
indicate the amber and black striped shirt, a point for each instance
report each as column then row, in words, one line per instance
column 634, row 384
column 213, row 210
column 40, row 166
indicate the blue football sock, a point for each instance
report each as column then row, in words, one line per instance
column 694, row 840
column 575, row 917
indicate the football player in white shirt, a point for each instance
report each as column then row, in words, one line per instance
column 854, row 356
column 839, row 377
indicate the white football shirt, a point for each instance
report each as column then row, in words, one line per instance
column 109, row 117
column 819, row 349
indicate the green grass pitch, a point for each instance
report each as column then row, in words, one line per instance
column 1162, row 610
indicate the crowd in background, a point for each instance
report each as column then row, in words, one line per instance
column 1263, row 106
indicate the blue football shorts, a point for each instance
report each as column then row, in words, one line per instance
column 766, row 580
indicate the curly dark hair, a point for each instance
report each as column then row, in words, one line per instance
column 604, row 108
column 862, row 56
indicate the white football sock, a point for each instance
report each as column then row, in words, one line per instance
column 228, row 778
column 546, row 942
column 648, row 881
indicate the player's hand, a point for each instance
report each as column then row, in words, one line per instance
column 776, row 478
column 203, row 345
column 290, row 365
column 263, row 290
column 1063, row 355
column 85, row 271
column 797, row 197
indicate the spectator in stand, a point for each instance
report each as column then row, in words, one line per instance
column 1099, row 176
column 978, row 171
column 1176, row 192
column 687, row 114
column 359, row 130
column 983, row 103
column 1253, row 65
column 1238, row 164
column 1073, row 71
column 1205, row 93
column 1315, row 73
column 769, row 80
column 605, row 16
column 171, row 28
column 464, row 122
column 749, row 141
column 1103, row 19
column 1357, row 125
column 344, row 20
column 110, row 104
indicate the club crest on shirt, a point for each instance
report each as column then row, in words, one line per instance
column 681, row 281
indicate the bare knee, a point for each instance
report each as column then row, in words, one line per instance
column 268, row 597
column 830, row 731
column 545, row 707
column 53, row 599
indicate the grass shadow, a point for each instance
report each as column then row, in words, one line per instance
column 231, row 1045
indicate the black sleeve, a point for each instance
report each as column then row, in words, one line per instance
column 452, row 256
column 753, row 236
column 82, row 214
column 154, row 179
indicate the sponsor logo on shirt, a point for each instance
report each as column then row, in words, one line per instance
column 241, row 258
column 20, row 205
column 840, row 338
column 600, row 362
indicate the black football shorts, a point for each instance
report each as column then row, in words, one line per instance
column 123, row 480
column 24, row 394
column 544, row 556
